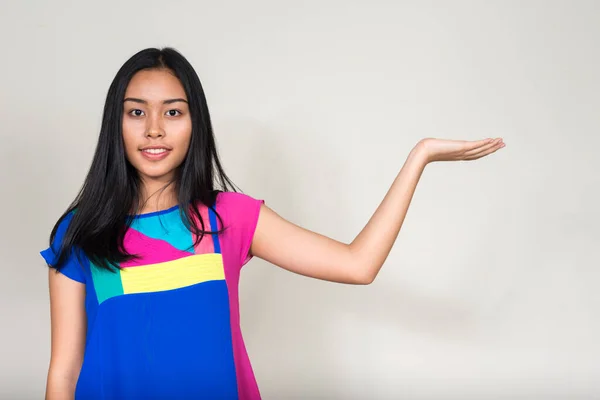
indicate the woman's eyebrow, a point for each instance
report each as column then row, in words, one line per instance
column 141, row 101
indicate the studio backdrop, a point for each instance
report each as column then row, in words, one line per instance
column 491, row 290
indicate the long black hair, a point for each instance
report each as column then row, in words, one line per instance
column 111, row 191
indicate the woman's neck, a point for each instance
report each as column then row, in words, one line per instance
column 157, row 197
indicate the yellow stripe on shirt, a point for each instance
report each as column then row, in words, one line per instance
column 185, row 271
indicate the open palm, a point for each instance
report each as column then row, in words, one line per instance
column 459, row 150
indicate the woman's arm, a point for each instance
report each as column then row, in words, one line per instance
column 68, row 327
column 311, row 254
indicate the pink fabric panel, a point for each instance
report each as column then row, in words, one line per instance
column 154, row 250
column 206, row 245
column 240, row 216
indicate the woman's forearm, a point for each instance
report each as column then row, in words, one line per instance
column 373, row 244
column 60, row 386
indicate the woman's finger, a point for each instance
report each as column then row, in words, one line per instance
column 478, row 144
column 481, row 148
column 484, row 152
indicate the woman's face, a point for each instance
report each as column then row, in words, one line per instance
column 157, row 126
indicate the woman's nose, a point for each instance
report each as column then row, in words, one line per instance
column 154, row 130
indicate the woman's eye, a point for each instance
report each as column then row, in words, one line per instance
column 173, row 113
column 136, row 113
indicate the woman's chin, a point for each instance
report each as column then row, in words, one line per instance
column 156, row 175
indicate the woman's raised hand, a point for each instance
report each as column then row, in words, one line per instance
column 458, row 150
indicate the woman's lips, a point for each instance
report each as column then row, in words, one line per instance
column 155, row 154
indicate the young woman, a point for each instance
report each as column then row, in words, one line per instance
column 145, row 262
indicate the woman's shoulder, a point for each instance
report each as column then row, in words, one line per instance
column 73, row 261
column 240, row 213
column 235, row 200
column 238, row 208
column 62, row 225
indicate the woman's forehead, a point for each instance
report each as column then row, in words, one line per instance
column 155, row 86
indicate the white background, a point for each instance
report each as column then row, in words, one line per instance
column 490, row 291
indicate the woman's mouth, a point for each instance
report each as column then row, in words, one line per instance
column 155, row 154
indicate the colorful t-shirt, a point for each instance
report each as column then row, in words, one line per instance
column 167, row 325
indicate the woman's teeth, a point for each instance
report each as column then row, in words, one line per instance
column 155, row 151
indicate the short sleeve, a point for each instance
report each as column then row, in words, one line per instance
column 241, row 217
column 72, row 267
